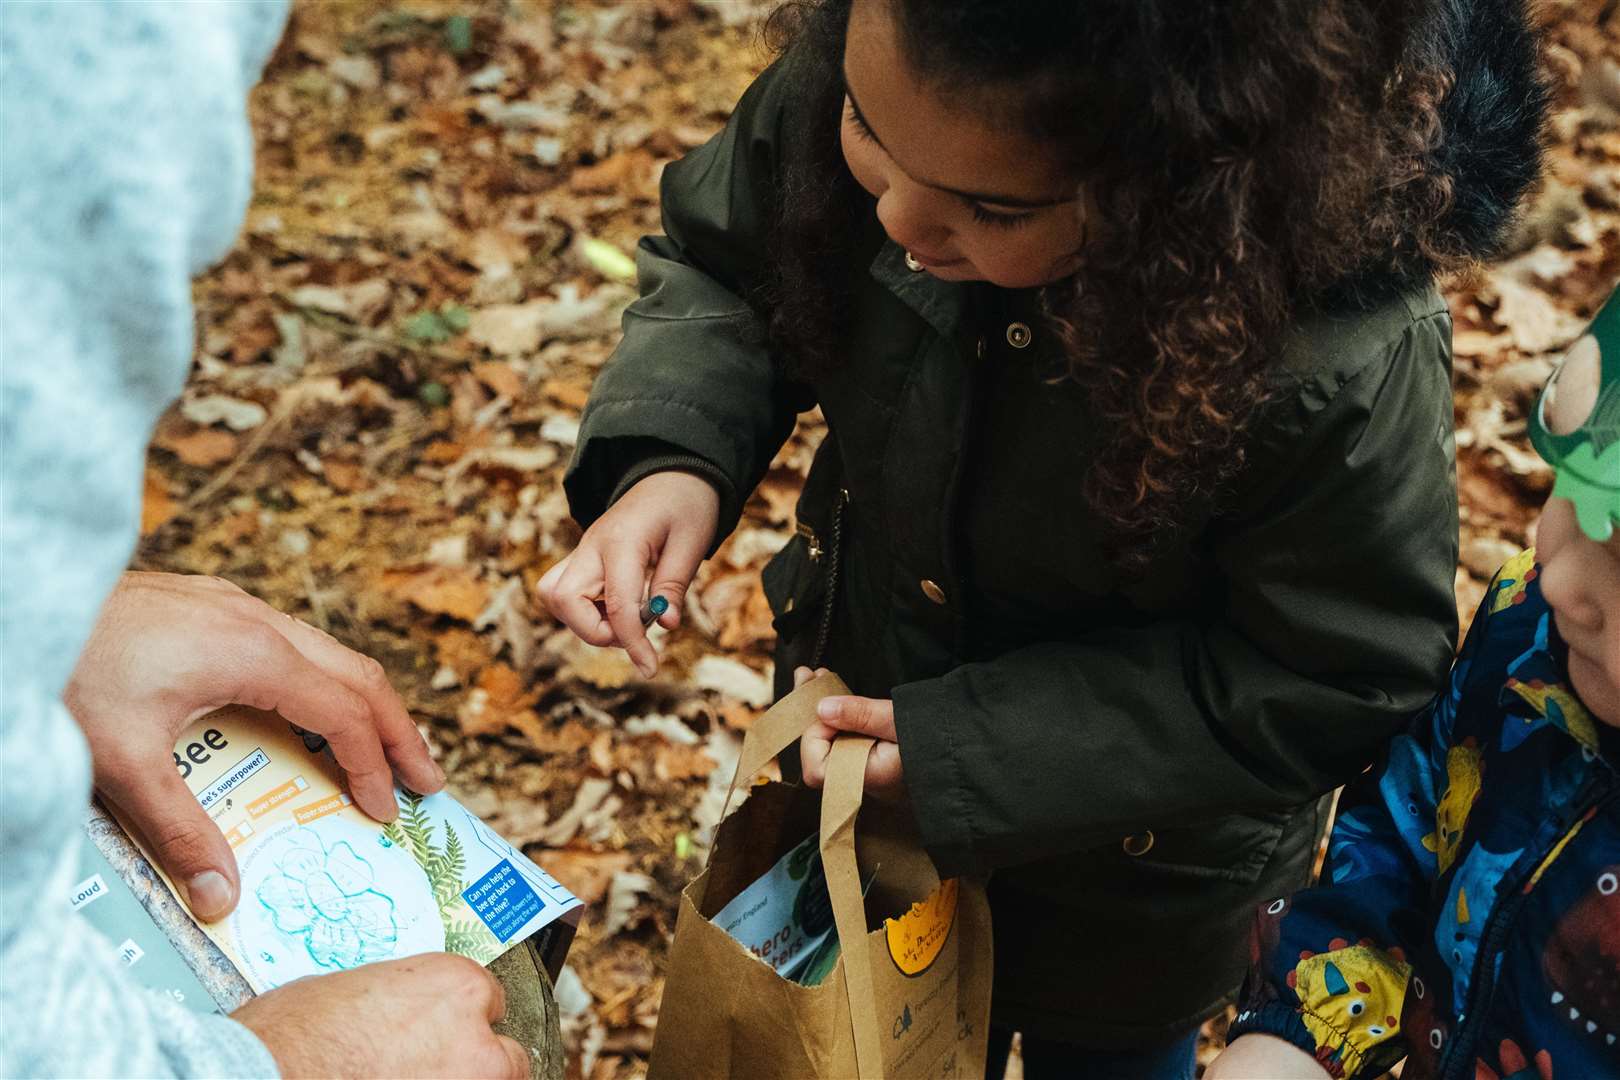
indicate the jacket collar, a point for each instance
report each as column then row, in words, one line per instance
column 940, row 303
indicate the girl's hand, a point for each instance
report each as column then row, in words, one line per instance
column 664, row 523
column 860, row 716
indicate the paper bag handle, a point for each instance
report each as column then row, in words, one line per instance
column 840, row 803
column 779, row 729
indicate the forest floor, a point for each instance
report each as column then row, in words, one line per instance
column 392, row 361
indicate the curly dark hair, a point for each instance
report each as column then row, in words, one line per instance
column 1245, row 158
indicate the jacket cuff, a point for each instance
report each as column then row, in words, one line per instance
column 924, row 722
column 674, row 461
column 605, row 468
column 1285, row 1022
column 231, row 1051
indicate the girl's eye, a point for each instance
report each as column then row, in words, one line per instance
column 998, row 220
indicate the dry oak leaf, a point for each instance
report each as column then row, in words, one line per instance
column 586, row 874
column 569, row 737
column 505, row 688
column 608, row 669
column 439, row 590
column 360, row 302
column 501, row 378
column 509, row 329
column 571, row 394
column 461, row 650
column 345, row 476
column 611, row 174
column 734, row 679
column 592, row 795
column 202, row 447
column 234, row 413
column 496, row 251
column 157, row 505
column 681, row 763
column 499, row 702
column 1536, row 324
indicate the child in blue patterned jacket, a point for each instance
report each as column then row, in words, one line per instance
column 1469, row 916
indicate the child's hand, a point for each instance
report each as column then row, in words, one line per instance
column 1579, row 576
column 1264, row 1056
column 861, row 716
column 1581, row 580
column 665, row 522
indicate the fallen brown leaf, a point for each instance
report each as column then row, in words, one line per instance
column 439, row 590
column 681, row 763
column 586, row 874
column 203, row 447
column 157, row 505
column 620, row 170
column 501, row 378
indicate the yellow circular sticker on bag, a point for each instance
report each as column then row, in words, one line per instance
column 916, row 937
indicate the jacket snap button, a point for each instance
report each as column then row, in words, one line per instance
column 932, row 591
column 1138, row 843
column 1018, row 335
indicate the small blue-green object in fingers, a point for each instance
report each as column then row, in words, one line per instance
column 652, row 609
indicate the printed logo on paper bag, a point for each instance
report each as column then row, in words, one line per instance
column 916, row 937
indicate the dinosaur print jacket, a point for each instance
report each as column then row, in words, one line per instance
column 1469, row 916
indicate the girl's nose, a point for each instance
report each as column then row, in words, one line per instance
column 907, row 214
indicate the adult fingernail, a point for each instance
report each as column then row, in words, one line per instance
column 827, row 708
column 209, row 893
column 438, row 771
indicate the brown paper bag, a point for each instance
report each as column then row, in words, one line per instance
column 908, row 999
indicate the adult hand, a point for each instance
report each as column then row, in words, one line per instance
column 664, row 524
column 1267, row 1056
column 426, row 1015
column 858, row 716
column 170, row 648
column 1580, row 577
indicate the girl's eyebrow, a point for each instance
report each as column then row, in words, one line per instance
column 971, row 196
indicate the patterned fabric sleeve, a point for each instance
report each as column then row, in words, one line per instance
column 1329, row 965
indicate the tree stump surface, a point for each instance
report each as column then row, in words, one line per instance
column 531, row 1010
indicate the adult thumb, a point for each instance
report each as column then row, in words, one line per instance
column 182, row 838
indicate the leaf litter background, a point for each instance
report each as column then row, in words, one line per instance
column 392, row 361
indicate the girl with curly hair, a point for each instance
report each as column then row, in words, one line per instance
column 1134, row 528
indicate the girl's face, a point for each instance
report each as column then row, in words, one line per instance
column 970, row 199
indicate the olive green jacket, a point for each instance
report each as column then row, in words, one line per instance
column 1135, row 763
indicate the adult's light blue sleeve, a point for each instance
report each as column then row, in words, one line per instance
column 125, row 166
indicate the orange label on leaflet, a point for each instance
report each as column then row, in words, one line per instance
column 275, row 797
column 306, row 814
column 916, row 938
